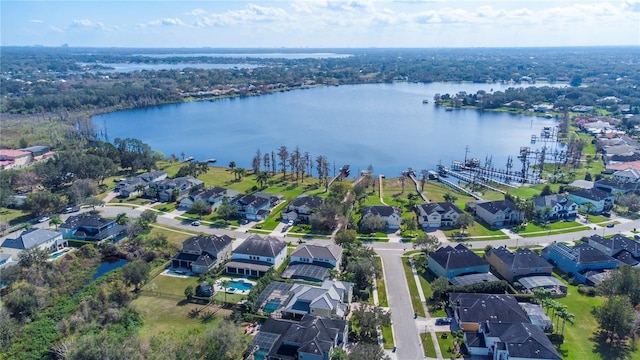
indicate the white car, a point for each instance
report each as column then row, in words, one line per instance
column 195, row 223
column 43, row 219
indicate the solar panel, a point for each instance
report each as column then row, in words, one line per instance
column 306, row 271
column 471, row 279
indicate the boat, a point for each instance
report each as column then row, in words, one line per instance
column 211, row 160
column 449, row 108
column 425, row 101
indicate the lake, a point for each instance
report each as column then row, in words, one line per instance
column 383, row 125
column 130, row 67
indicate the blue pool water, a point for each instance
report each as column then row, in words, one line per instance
column 239, row 285
column 57, row 255
column 176, row 273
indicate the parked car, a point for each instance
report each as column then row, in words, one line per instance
column 43, row 219
column 195, row 223
column 637, row 237
column 610, row 225
column 444, row 321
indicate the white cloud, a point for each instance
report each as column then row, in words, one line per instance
column 81, row 23
column 37, row 21
column 55, row 29
column 248, row 15
column 196, row 12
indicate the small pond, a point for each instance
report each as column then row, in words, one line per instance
column 107, row 266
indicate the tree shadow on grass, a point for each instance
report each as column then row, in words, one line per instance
column 616, row 350
column 207, row 317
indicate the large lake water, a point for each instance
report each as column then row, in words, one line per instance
column 383, row 125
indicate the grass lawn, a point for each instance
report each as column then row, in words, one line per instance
column 558, row 227
column 427, row 345
column 13, row 216
column 478, row 230
column 164, row 309
column 174, row 236
column 387, row 337
column 579, row 344
column 445, row 340
column 381, row 287
column 413, row 290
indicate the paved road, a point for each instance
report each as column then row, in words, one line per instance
column 406, row 334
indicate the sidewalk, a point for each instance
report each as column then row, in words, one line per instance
column 426, row 322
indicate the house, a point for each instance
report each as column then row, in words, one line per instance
column 504, row 341
column 498, row 213
column 579, row 260
column 136, row 185
column 293, row 301
column 514, row 264
column 11, row 158
column 92, row 227
column 615, row 187
column 301, row 208
column 600, row 199
column 6, row 261
column 256, row 206
column 313, row 262
column 471, row 310
column 312, row 337
column 202, row 253
column 616, row 245
column 172, row 189
column 256, row 255
column 454, row 261
column 213, row 196
column 627, row 175
column 42, row 239
column 560, row 207
column 390, row 214
column 437, row 215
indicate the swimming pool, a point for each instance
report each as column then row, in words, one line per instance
column 240, row 285
column 58, row 254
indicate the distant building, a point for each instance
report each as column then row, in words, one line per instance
column 437, row 215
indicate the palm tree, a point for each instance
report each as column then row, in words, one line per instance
column 224, row 284
column 262, row 178
column 55, row 220
column 567, row 316
column 232, row 165
column 122, row 219
column 588, row 208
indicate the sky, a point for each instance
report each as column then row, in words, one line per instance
column 320, row 23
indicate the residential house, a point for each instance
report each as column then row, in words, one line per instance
column 256, row 255
column 512, row 265
column 312, row 337
column 390, row 214
column 437, row 215
column 301, row 208
column 92, row 227
column 497, row 213
column 313, row 262
column 293, row 301
column 601, row 200
column 559, row 207
column 6, row 261
column 578, row 261
column 11, row 158
column 42, row 239
column 213, row 196
column 454, row 261
column 505, row 341
column 136, row 185
column 627, row 175
column 615, row 187
column 623, row 249
column 471, row 310
column 256, row 206
column 173, row 189
column 202, row 253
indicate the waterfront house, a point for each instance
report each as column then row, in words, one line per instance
column 559, row 207
column 580, row 261
column 301, row 208
column 202, row 253
column 497, row 213
column 293, row 301
column 312, row 337
column 601, row 200
column 471, row 310
column 455, row 261
column 390, row 214
column 256, row 255
column 173, row 189
column 313, row 262
column 42, row 239
column 505, row 341
column 213, row 196
column 256, row 206
column 91, row 227
column 512, row 265
column 136, row 185
column 437, row 215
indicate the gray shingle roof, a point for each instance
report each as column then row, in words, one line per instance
column 480, row 308
column 551, row 200
column 93, row 221
column 259, row 246
column 329, row 252
column 523, row 340
column 456, row 258
column 210, row 244
column 617, row 243
column 310, row 201
column 440, row 207
column 498, row 205
column 31, row 238
column 522, row 258
column 591, row 194
column 380, row 210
